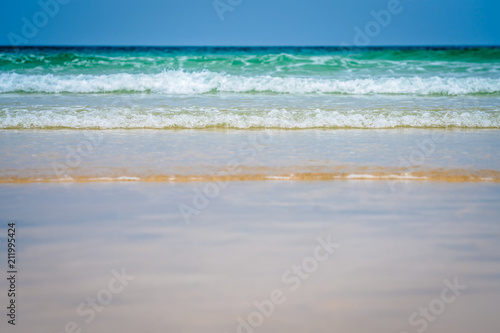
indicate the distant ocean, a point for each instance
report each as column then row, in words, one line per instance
column 303, row 96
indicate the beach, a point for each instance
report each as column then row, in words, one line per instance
column 395, row 251
column 185, row 189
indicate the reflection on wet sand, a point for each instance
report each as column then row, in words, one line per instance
column 398, row 252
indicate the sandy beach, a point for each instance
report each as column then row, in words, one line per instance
column 393, row 253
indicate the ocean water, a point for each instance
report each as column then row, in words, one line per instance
column 249, row 88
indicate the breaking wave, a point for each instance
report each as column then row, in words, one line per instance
column 157, row 118
column 185, row 83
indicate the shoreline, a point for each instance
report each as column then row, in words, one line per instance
column 436, row 175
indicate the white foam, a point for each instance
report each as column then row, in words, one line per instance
column 360, row 176
column 128, row 178
column 280, row 177
column 391, row 177
column 112, row 117
column 181, row 82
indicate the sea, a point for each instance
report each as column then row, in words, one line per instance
column 249, row 88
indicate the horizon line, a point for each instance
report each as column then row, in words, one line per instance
column 260, row 46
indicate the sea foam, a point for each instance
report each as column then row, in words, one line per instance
column 157, row 118
column 180, row 82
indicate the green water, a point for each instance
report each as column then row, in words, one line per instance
column 256, row 61
column 273, row 87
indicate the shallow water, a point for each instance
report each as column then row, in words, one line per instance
column 156, row 155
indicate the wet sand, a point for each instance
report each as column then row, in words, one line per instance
column 398, row 250
column 233, row 155
column 225, row 231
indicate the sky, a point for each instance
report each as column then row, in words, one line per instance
column 249, row 22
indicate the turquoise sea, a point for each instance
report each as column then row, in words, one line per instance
column 249, row 88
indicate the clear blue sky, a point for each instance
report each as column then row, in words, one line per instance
column 250, row 22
